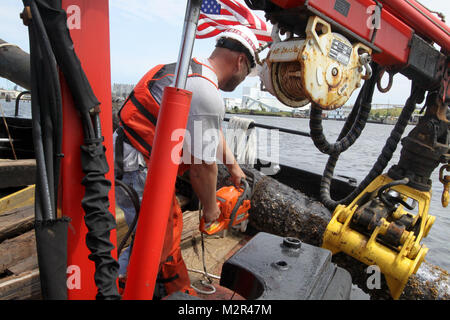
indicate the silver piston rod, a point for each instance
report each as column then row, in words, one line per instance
column 187, row 42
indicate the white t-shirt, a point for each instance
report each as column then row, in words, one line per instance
column 206, row 114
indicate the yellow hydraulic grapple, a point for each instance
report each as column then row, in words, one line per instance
column 383, row 227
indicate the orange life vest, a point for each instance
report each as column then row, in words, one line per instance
column 139, row 114
column 138, row 117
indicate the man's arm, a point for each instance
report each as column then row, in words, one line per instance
column 203, row 177
column 225, row 155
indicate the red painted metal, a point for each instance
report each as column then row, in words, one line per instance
column 421, row 20
column 399, row 19
column 393, row 39
column 287, row 4
column 89, row 24
column 158, row 194
column 356, row 19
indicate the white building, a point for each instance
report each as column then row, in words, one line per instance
column 255, row 99
column 9, row 94
column 339, row 113
column 231, row 103
column 122, row 90
column 385, row 106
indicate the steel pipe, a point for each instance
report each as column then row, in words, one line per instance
column 187, row 42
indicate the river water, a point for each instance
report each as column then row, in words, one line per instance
column 299, row 151
column 8, row 108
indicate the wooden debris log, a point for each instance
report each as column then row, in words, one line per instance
column 14, row 251
column 14, row 64
column 17, row 173
column 281, row 210
column 25, row 286
column 19, row 273
column 16, row 222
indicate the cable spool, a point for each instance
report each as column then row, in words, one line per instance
column 287, row 85
column 325, row 68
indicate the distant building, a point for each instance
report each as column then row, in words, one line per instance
column 9, row 94
column 339, row 113
column 301, row 112
column 121, row 90
column 385, row 106
column 232, row 103
column 255, row 99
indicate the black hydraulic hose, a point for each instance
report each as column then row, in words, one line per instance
column 98, row 220
column 363, row 104
column 256, row 4
column 331, row 163
column 50, row 108
column 134, row 197
column 46, row 108
column 95, row 203
column 70, row 66
column 386, row 201
column 97, row 126
column 382, row 160
column 48, row 130
column 47, row 138
column 43, row 199
column 387, row 186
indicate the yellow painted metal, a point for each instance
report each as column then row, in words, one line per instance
column 21, row 198
column 398, row 264
column 445, row 180
column 324, row 68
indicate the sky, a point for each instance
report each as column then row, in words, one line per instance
column 144, row 33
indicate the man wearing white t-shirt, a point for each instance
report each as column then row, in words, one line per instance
column 230, row 63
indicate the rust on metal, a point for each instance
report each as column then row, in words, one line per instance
column 325, row 68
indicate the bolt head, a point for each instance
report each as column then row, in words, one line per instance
column 291, row 242
column 334, row 72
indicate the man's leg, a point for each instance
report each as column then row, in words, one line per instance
column 174, row 275
column 173, row 265
column 136, row 180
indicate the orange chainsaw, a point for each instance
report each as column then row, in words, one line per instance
column 234, row 204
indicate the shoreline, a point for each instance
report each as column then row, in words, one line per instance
column 286, row 115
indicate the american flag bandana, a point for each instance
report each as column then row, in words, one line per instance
column 219, row 15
